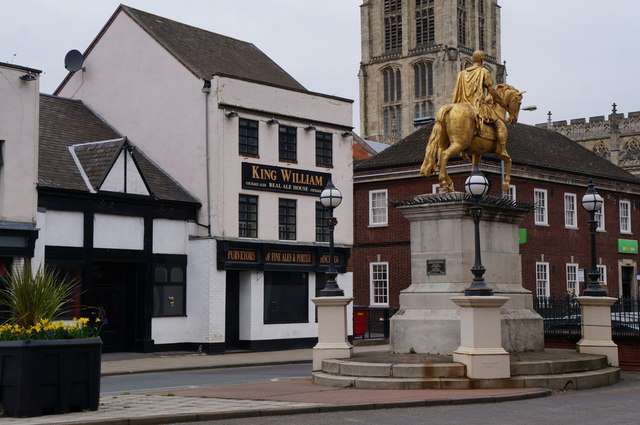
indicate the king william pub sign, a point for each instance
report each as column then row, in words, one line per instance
column 277, row 179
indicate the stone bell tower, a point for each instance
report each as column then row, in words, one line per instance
column 412, row 51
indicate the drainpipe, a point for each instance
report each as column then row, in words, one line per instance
column 206, row 89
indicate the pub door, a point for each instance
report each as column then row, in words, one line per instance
column 114, row 292
column 232, row 311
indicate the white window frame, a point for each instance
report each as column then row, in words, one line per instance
column 541, row 212
column 542, row 279
column 376, row 282
column 599, row 217
column 374, row 220
column 511, row 193
column 573, row 281
column 570, row 211
column 602, row 277
column 435, row 188
column 625, row 219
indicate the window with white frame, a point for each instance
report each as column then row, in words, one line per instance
column 570, row 211
column 435, row 188
column 511, row 194
column 625, row 217
column 379, row 274
column 573, row 286
column 541, row 208
column 542, row 279
column 599, row 217
column 378, row 207
column 602, row 278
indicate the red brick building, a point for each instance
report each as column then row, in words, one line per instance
column 549, row 171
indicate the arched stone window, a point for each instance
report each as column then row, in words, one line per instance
column 601, row 149
column 423, row 79
column 392, row 84
column 631, row 155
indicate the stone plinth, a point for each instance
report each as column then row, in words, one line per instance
column 596, row 328
column 332, row 330
column 480, row 338
column 442, row 233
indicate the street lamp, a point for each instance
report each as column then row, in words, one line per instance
column 477, row 186
column 331, row 198
column 592, row 202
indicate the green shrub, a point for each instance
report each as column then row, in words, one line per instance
column 33, row 297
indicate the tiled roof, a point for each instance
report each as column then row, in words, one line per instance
column 527, row 145
column 206, row 53
column 63, row 123
column 67, row 123
column 97, row 159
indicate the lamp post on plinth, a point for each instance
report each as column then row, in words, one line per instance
column 477, row 186
column 592, row 203
column 330, row 199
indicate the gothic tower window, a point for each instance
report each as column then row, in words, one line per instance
column 423, row 88
column 392, row 123
column 423, row 79
column 392, row 24
column 425, row 22
column 632, row 153
column 481, row 26
column 462, row 22
column 601, row 149
column 391, row 109
column 392, row 84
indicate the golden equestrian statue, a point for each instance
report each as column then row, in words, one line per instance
column 474, row 124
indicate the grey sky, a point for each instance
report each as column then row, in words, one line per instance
column 573, row 57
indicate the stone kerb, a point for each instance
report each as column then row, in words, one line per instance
column 442, row 232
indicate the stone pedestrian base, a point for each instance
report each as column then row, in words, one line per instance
column 553, row 369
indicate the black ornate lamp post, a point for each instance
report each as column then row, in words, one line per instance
column 331, row 198
column 592, row 202
column 477, row 186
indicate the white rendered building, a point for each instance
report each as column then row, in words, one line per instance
column 255, row 148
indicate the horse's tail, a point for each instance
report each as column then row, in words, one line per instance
column 434, row 146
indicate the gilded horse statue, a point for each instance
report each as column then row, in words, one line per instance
column 457, row 130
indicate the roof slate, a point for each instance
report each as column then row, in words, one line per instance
column 527, row 145
column 66, row 123
column 206, row 53
column 97, row 159
column 63, row 123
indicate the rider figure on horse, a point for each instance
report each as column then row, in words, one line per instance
column 470, row 88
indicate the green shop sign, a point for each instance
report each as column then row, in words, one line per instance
column 627, row 246
column 522, row 236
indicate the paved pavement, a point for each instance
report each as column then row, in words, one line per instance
column 250, row 400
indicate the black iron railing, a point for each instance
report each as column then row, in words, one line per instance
column 372, row 322
column 563, row 316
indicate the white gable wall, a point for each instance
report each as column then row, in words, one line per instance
column 115, row 180
column 148, row 96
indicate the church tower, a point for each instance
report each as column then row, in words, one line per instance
column 412, row 51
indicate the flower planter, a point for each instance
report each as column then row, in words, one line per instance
column 49, row 376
